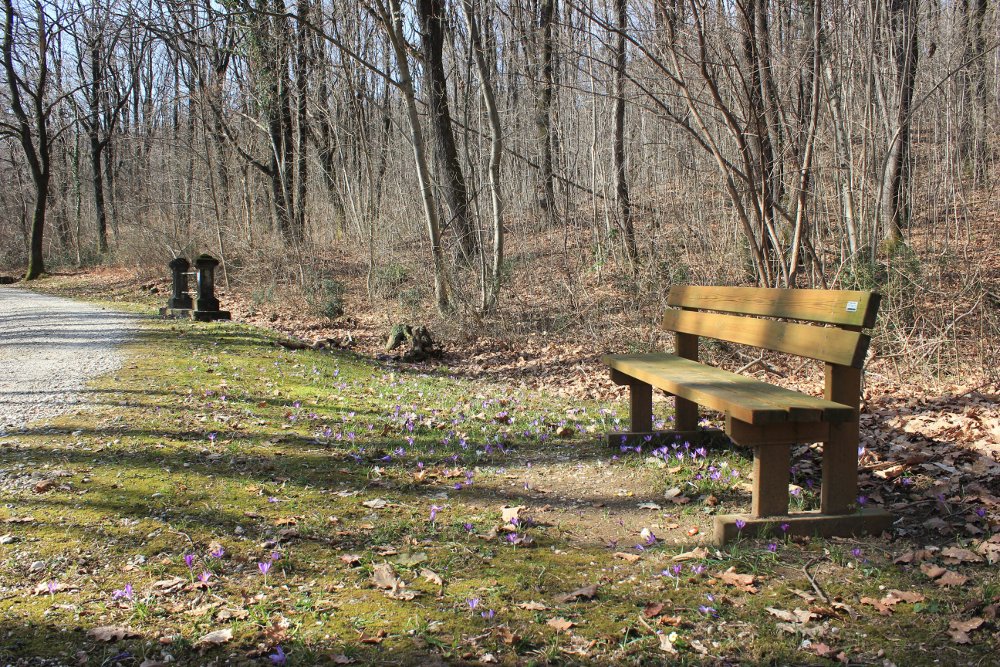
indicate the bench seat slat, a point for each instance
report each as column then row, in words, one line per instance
column 836, row 346
column 842, row 307
column 741, row 397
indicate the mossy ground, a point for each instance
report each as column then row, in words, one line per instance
column 211, row 436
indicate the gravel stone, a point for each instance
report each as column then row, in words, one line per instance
column 49, row 348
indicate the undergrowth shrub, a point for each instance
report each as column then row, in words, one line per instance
column 328, row 299
column 387, row 280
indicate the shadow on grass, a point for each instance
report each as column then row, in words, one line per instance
column 30, row 645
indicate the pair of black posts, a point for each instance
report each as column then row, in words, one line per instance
column 205, row 307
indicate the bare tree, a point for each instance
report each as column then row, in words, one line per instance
column 618, row 141
column 106, row 88
column 431, row 16
column 26, row 48
column 902, row 20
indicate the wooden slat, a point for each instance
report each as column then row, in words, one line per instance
column 744, row 398
column 836, row 346
column 842, row 307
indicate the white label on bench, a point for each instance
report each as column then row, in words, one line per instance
column 852, row 306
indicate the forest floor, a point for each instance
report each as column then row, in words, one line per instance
column 223, row 499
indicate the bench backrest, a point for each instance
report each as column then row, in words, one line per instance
column 842, row 344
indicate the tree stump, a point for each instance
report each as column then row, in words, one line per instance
column 421, row 345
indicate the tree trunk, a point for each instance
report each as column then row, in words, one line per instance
column 972, row 140
column 302, row 74
column 895, row 181
column 618, row 142
column 543, row 112
column 97, row 179
column 430, row 13
column 492, row 283
column 36, row 260
column 394, row 28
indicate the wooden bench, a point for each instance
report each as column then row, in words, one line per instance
column 763, row 416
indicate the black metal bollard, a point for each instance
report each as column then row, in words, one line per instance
column 206, row 305
column 180, row 299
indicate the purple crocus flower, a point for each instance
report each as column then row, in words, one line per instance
column 278, row 657
column 740, row 524
column 218, row 553
column 468, row 527
column 489, row 614
column 203, row 577
column 473, row 603
column 772, row 547
column 124, row 593
column 785, row 527
column 275, row 555
column 862, row 500
column 189, row 560
column 434, row 512
column 264, row 567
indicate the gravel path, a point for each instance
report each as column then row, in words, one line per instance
column 49, row 349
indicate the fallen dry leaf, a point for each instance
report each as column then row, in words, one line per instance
column 990, row 549
column 373, row 639
column 795, row 616
column 631, row 558
column 956, row 555
column 894, row 596
column 411, row 558
column 931, row 570
column 111, row 633
column 215, row 638
column 532, row 606
column 168, row 585
column 667, row 640
column 968, row 625
column 44, row 485
column 882, row 608
column 384, row 577
column 432, row 577
column 697, row 554
column 508, row 513
column 352, row 560
column 587, row 593
column 653, row 609
column 951, row 578
column 744, row 582
column 560, row 624
column 820, row 649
